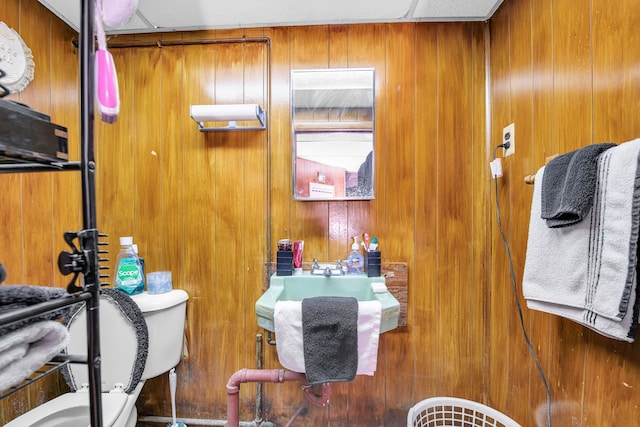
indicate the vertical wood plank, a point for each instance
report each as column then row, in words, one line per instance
column 199, row 165
column 11, row 253
column 280, row 152
column 541, row 147
column 615, row 96
column 500, row 298
column 163, row 249
column 227, row 192
column 425, row 320
column 367, row 49
column 114, row 151
column 521, row 115
column 37, row 188
column 67, row 205
column 454, row 207
column 481, row 190
column 172, row 163
column 399, row 150
column 146, row 142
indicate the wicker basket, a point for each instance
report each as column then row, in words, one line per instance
column 454, row 412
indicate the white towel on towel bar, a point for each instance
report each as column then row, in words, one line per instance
column 624, row 330
column 586, row 272
column 287, row 317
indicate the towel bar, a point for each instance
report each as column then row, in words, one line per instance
column 530, row 179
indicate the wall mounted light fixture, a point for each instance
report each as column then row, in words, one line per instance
column 231, row 113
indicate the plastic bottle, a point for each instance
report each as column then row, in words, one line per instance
column 355, row 260
column 135, row 249
column 128, row 273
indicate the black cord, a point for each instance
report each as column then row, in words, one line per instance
column 515, row 293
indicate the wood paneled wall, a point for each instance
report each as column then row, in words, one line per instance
column 197, row 203
column 36, row 209
column 566, row 74
column 219, row 194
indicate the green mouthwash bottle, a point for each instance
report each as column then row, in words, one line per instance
column 128, row 273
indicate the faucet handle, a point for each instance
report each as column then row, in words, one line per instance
column 315, row 264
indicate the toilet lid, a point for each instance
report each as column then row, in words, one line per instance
column 71, row 407
column 124, row 343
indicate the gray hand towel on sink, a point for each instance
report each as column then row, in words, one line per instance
column 568, row 185
column 330, row 338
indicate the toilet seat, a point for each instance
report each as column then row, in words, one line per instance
column 123, row 343
column 71, row 410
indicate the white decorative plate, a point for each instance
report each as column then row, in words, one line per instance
column 16, row 60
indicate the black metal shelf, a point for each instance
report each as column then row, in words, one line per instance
column 88, row 237
column 40, row 308
column 20, row 167
column 48, row 368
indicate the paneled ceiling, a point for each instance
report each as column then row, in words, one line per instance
column 186, row 15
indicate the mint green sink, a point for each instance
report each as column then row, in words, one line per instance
column 298, row 287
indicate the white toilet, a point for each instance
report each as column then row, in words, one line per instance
column 125, row 330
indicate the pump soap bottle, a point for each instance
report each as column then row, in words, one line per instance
column 355, row 260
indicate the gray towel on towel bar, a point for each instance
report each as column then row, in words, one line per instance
column 330, row 338
column 568, row 185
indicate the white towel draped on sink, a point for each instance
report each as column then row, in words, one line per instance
column 287, row 317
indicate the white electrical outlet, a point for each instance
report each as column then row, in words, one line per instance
column 509, row 135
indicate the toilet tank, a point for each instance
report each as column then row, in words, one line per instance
column 165, row 315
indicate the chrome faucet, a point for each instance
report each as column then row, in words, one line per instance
column 327, row 272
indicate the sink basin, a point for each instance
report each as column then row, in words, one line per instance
column 305, row 285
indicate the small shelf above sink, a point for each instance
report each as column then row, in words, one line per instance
column 306, row 285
